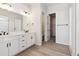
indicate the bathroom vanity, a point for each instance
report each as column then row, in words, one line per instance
column 15, row 34
column 15, row 43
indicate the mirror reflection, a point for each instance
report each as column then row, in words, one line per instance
column 3, row 25
column 10, row 23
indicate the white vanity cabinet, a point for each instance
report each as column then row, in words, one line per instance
column 13, row 46
column 22, row 42
column 9, row 46
column 26, row 41
column 3, row 48
column 30, row 39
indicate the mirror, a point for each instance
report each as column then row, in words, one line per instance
column 15, row 25
column 3, row 25
column 8, row 25
column 10, row 22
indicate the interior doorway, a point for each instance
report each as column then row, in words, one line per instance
column 53, row 27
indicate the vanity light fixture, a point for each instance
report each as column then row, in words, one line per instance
column 7, row 4
column 26, row 12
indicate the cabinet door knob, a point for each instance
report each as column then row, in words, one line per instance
column 23, row 40
column 7, row 44
column 23, row 46
column 22, row 36
column 31, row 37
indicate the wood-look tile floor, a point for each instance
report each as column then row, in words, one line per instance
column 47, row 49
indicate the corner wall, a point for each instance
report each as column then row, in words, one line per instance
column 36, row 13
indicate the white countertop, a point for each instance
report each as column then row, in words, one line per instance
column 14, row 33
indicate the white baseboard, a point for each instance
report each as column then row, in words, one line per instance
column 62, row 43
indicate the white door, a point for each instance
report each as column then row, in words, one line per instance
column 4, row 48
column 48, row 27
column 13, row 47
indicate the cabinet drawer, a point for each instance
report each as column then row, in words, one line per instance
column 1, row 40
column 21, row 36
column 22, row 47
column 21, row 43
column 22, row 39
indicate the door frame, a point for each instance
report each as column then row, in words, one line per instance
column 72, row 37
column 46, row 25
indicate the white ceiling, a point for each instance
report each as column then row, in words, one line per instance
column 53, row 4
column 21, row 7
column 17, row 7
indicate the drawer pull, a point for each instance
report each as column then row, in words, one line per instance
column 10, row 44
column 23, row 40
column 22, row 36
column 31, row 37
column 23, row 46
column 7, row 44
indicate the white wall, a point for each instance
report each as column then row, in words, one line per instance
column 44, row 10
column 33, row 20
column 61, row 11
column 36, row 16
column 64, row 12
column 77, row 28
column 72, row 29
